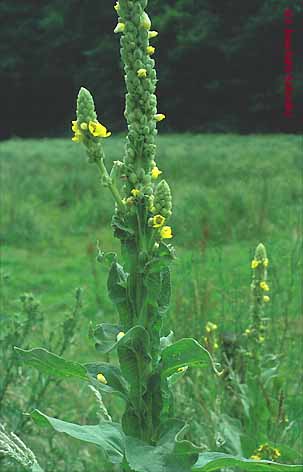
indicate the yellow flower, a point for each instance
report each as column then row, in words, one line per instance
column 160, row 117
column 210, row 327
column 135, row 192
column 276, row 452
column 75, row 126
column 120, row 335
column 266, row 262
column 98, row 130
column 261, row 339
column 181, row 369
column 247, row 331
column 255, row 457
column 266, row 298
column 101, row 378
column 141, row 73
column 158, row 221
column 117, row 6
column 152, row 34
column 264, row 286
column 150, row 50
column 83, row 126
column 119, row 28
column 166, row 232
column 254, row 263
column 155, row 172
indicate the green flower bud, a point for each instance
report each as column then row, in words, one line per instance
column 145, row 21
column 163, row 200
column 85, row 107
column 133, row 178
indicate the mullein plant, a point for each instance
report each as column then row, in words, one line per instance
column 149, row 437
column 256, row 332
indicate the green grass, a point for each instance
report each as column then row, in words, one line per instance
column 229, row 192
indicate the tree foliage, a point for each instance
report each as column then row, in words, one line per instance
column 221, row 64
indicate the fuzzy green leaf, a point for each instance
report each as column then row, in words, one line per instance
column 166, row 341
column 115, row 381
column 116, row 283
column 105, row 335
column 164, row 295
column 210, row 461
column 183, row 353
column 134, row 355
column 36, row 468
column 107, row 435
column 51, row 364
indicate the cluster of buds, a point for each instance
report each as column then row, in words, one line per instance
column 87, row 128
column 141, row 103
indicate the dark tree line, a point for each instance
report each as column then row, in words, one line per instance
column 220, row 64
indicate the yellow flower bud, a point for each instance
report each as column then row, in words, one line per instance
column 101, row 378
column 150, row 50
column 119, row 28
column 211, row 327
column 141, row 73
column 166, row 232
column 266, row 262
column 83, row 126
column 75, row 126
column 120, row 335
column 254, row 263
column 266, row 298
column 181, row 369
column 152, row 34
column 160, row 117
column 117, row 6
column 78, row 137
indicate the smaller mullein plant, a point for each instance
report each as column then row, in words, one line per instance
column 149, row 437
column 259, row 297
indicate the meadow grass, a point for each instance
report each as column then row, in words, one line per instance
column 229, row 193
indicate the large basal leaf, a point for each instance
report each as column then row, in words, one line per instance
column 209, row 461
column 51, row 364
column 115, row 381
column 185, row 352
column 169, row 455
column 107, row 435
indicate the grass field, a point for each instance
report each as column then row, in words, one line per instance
column 229, row 192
